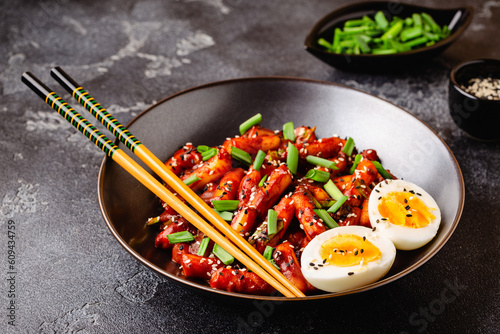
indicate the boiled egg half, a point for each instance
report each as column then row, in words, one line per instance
column 404, row 213
column 346, row 257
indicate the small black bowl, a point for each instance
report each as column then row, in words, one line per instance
column 477, row 117
column 457, row 18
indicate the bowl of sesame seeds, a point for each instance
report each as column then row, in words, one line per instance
column 474, row 98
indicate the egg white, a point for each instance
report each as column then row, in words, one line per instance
column 334, row 278
column 403, row 237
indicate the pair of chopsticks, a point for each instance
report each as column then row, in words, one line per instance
column 238, row 247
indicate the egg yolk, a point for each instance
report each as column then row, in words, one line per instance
column 405, row 209
column 347, row 250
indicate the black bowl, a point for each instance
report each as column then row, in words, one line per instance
column 209, row 113
column 325, row 27
column 477, row 117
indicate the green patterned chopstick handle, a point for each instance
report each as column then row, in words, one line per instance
column 89, row 103
column 66, row 111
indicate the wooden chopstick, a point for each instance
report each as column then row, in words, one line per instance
column 277, row 280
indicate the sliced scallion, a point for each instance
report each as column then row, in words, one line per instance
column 259, row 159
column 272, row 222
column 203, row 246
column 292, row 158
column 348, row 146
column 225, row 205
column 177, row 237
column 336, row 206
column 206, row 155
column 289, row 131
column 327, row 219
column 202, row 148
column 268, row 252
column 317, row 175
column 223, row 255
column 225, row 215
column 241, row 155
column 381, row 170
column 332, row 190
column 254, row 120
column 193, row 178
column 263, row 180
column 357, row 159
column 314, row 160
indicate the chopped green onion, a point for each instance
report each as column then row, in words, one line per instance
column 393, row 31
column 193, row 178
column 211, row 152
column 357, row 159
column 336, row 206
column 254, row 120
column 381, row 20
column 430, row 21
column 348, row 146
column 289, row 131
column 178, row 237
column 411, row 33
column 223, row 255
column 225, row 205
column 259, row 159
column 292, row 158
column 225, row 215
column 327, row 219
column 362, row 44
column 152, row 221
column 384, row 51
column 381, row 170
column 314, row 160
column 272, row 222
column 241, row 155
column 263, row 180
column 203, row 246
column 417, row 41
column 324, row 43
column 268, row 253
column 332, row 190
column 317, row 175
column 417, row 20
column 202, row 148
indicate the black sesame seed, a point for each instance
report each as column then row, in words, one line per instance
column 407, row 207
column 324, row 260
column 320, row 265
column 409, row 215
column 377, row 190
column 406, row 201
column 315, row 268
column 355, row 253
column 311, row 264
column 364, row 238
column 419, row 194
column 350, row 273
column 181, row 247
column 412, row 192
column 362, row 250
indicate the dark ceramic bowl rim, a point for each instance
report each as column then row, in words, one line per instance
column 467, row 63
column 240, row 296
column 323, row 22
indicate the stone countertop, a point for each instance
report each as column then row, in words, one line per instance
column 71, row 276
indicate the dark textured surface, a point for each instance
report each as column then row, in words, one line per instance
column 72, row 275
